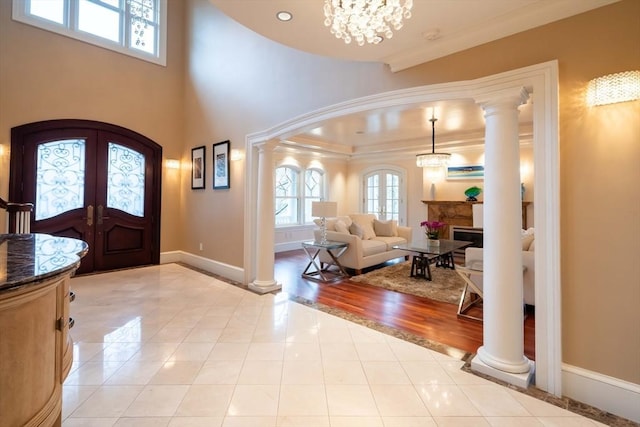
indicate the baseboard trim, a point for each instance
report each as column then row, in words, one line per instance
column 609, row 394
column 288, row 246
column 230, row 272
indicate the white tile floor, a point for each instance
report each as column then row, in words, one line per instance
column 168, row 346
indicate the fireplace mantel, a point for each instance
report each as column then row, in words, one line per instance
column 458, row 212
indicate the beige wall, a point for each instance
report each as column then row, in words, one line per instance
column 234, row 89
column 46, row 76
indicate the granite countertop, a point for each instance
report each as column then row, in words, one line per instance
column 29, row 258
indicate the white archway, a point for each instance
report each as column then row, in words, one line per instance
column 541, row 81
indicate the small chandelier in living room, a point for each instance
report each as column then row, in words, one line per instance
column 432, row 159
column 365, row 20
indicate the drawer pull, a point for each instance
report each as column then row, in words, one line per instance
column 72, row 296
column 71, row 322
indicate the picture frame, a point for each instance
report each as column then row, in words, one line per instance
column 198, row 168
column 468, row 172
column 221, row 165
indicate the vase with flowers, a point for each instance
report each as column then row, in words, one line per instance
column 432, row 230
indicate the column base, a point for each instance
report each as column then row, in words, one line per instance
column 521, row 380
column 264, row 286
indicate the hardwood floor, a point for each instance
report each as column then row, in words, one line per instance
column 422, row 317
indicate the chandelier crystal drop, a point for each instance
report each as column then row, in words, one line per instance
column 433, row 159
column 367, row 21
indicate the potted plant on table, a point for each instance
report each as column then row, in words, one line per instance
column 432, row 230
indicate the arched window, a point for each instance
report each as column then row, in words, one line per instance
column 295, row 189
column 384, row 191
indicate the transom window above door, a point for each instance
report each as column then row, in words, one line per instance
column 133, row 27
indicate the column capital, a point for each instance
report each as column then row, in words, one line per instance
column 511, row 97
column 269, row 145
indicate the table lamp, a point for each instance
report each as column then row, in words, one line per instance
column 323, row 210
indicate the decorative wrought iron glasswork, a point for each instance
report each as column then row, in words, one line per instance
column 125, row 180
column 59, row 177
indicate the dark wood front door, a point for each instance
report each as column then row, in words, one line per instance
column 91, row 181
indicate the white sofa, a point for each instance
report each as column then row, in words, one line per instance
column 370, row 241
column 474, row 258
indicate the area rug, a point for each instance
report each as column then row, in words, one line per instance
column 446, row 285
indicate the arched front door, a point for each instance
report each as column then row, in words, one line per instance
column 91, row 181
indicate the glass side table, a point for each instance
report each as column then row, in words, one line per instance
column 323, row 272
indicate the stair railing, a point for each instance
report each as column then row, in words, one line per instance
column 18, row 216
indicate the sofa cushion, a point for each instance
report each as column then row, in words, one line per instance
column 373, row 247
column 532, row 246
column 387, row 228
column 366, row 222
column 391, row 241
column 356, row 230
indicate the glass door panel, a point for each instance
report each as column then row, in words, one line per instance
column 60, row 171
column 125, row 179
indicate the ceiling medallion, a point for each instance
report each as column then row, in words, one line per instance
column 367, row 21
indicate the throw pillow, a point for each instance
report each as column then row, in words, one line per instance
column 387, row 228
column 526, row 241
column 366, row 222
column 532, row 246
column 356, row 230
column 341, row 227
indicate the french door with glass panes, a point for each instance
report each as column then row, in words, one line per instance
column 382, row 194
column 91, row 181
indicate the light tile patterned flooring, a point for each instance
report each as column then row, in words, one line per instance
column 168, row 346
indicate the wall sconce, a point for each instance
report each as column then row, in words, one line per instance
column 236, row 155
column 172, row 164
column 613, row 88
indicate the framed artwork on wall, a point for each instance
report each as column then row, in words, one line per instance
column 198, row 168
column 465, row 172
column 221, row 165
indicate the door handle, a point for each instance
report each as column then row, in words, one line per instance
column 90, row 215
column 100, row 208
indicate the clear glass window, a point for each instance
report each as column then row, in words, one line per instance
column 286, row 193
column 99, row 20
column 382, row 191
column 294, row 193
column 313, row 191
column 134, row 27
column 52, row 10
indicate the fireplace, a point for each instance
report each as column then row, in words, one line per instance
column 470, row 234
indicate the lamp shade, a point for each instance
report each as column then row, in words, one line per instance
column 324, row 209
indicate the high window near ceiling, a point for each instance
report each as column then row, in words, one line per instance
column 133, row 27
column 295, row 189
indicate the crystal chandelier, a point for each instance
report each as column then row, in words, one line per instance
column 433, row 159
column 365, row 20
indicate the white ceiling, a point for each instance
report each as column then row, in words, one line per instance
column 436, row 28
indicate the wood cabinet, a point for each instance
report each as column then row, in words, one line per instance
column 35, row 346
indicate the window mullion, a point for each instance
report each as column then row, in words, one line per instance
column 72, row 11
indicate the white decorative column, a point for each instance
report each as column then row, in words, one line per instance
column 502, row 353
column 265, row 219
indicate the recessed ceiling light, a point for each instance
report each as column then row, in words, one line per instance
column 284, row 16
